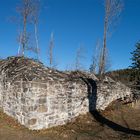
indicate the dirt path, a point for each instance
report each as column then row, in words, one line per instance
column 120, row 123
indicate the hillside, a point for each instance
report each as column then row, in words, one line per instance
column 126, row 76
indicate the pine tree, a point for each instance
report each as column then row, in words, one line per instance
column 136, row 57
column 136, row 64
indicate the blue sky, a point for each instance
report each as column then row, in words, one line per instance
column 74, row 22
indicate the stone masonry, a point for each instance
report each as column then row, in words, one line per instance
column 39, row 97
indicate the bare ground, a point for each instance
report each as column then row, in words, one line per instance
column 118, row 122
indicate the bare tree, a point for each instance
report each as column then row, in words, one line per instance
column 50, row 51
column 19, row 39
column 79, row 57
column 94, row 67
column 113, row 10
column 35, row 19
column 25, row 10
column 107, row 62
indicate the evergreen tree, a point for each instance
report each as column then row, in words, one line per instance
column 136, row 64
column 136, row 57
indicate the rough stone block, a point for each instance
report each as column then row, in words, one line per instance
column 32, row 121
column 42, row 100
column 42, row 108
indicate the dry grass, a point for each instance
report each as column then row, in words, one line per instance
column 83, row 128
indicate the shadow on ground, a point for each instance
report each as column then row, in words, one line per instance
column 116, row 127
column 92, row 96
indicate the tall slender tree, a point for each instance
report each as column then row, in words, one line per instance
column 25, row 10
column 50, row 51
column 35, row 20
column 80, row 56
column 28, row 11
column 19, row 39
column 94, row 67
column 113, row 10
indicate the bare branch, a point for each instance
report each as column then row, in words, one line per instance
column 95, row 58
column 80, row 56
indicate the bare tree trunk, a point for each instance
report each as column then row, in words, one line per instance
column 94, row 67
column 103, row 52
column 79, row 57
column 113, row 9
column 35, row 18
column 19, row 49
column 51, row 46
column 36, row 40
column 19, row 43
column 51, row 57
column 24, row 36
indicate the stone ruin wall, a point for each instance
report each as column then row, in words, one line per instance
column 109, row 91
column 44, row 105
